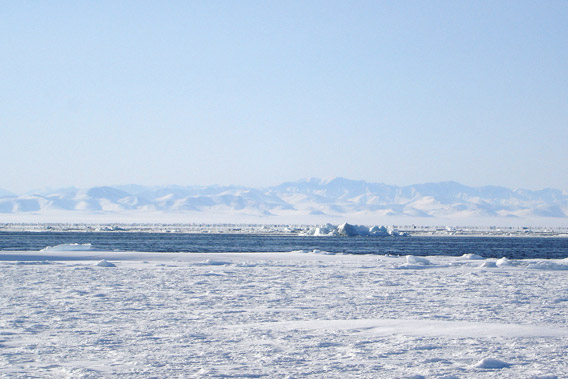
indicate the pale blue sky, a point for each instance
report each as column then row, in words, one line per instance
column 260, row 92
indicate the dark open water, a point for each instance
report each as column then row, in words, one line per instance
column 489, row 247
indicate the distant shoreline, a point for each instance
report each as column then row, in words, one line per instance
column 276, row 229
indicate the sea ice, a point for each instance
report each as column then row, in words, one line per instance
column 278, row 315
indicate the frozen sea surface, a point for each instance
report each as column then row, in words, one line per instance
column 278, row 315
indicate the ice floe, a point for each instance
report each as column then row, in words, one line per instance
column 70, row 247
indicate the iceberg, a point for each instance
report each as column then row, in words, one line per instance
column 349, row 230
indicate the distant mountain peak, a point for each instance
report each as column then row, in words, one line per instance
column 333, row 197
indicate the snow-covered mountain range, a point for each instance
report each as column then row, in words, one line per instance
column 335, row 198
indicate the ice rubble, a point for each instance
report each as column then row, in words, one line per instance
column 348, row 230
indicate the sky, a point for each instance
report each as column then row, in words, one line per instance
column 256, row 93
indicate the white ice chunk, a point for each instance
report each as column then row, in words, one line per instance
column 348, row 230
column 491, row 363
column 472, row 257
column 412, row 260
column 70, row 247
column 503, row 262
column 546, row 265
column 105, row 263
column 213, row 262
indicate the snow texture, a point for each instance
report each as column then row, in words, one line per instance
column 279, row 315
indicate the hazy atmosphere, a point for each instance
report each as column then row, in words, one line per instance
column 276, row 189
column 257, row 93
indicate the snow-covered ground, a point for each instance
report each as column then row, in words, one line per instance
column 299, row 314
